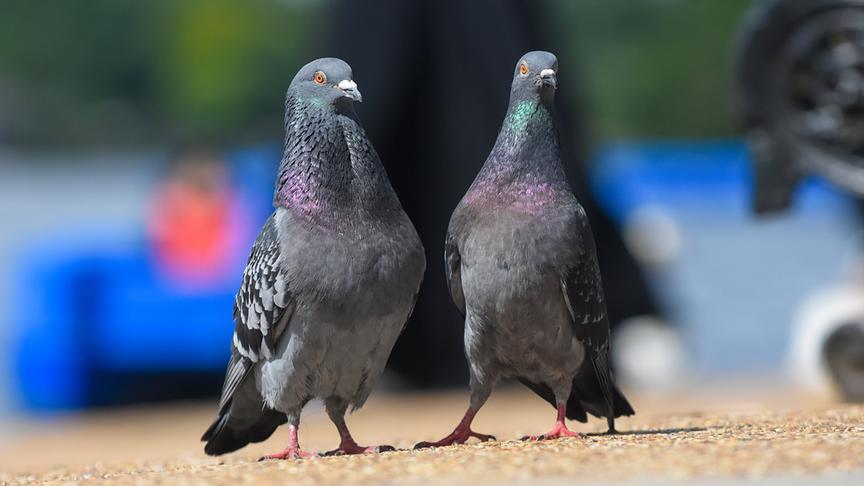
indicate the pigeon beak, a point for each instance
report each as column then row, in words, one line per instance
column 548, row 78
column 350, row 89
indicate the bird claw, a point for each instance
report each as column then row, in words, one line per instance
column 457, row 437
column 556, row 433
column 483, row 437
column 350, row 450
column 289, row 453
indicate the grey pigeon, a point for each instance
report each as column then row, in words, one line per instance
column 522, row 269
column 331, row 279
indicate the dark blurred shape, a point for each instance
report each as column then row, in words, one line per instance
column 844, row 352
column 800, row 93
column 436, row 81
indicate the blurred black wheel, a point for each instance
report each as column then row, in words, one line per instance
column 800, row 92
column 844, row 352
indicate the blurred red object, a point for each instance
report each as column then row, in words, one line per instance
column 195, row 223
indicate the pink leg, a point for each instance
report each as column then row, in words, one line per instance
column 293, row 450
column 560, row 429
column 347, row 446
column 460, row 434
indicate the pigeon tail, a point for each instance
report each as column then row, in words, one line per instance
column 588, row 395
column 223, row 437
column 613, row 400
column 594, row 392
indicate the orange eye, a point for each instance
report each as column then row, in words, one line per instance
column 319, row 77
column 523, row 69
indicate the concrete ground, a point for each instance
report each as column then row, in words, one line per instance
column 704, row 438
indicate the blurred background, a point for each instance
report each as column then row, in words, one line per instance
column 139, row 143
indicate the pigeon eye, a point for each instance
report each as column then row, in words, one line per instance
column 523, row 69
column 319, row 77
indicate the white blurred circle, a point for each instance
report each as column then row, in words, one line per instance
column 648, row 353
column 819, row 316
column 652, row 235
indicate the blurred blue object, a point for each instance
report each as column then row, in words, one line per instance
column 93, row 305
column 253, row 171
column 731, row 282
column 90, row 302
column 694, row 177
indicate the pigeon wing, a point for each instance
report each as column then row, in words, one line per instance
column 453, row 270
column 582, row 287
column 262, row 309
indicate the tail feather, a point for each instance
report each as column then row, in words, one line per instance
column 223, row 437
column 611, row 401
column 574, row 409
column 216, row 427
column 593, row 392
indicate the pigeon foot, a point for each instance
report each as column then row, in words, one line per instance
column 559, row 430
column 350, row 448
column 461, row 434
column 289, row 453
column 293, row 450
column 456, row 437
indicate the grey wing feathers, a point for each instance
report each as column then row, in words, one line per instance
column 262, row 309
column 582, row 287
column 238, row 368
column 453, row 270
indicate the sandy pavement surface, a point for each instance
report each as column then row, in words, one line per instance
column 700, row 438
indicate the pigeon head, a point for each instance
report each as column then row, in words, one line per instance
column 326, row 80
column 536, row 75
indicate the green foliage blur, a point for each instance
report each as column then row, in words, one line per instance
column 136, row 73
column 654, row 68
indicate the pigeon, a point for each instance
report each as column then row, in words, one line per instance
column 331, row 279
column 522, row 269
